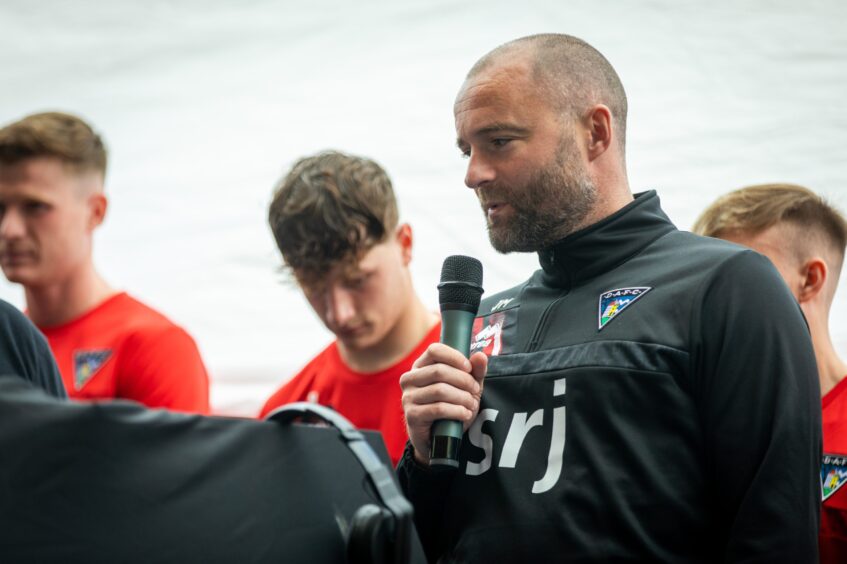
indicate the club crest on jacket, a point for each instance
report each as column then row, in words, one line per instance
column 615, row 301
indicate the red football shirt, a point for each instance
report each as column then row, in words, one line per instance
column 124, row 349
column 833, row 532
column 369, row 401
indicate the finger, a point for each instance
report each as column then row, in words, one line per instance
column 439, row 373
column 479, row 366
column 422, row 416
column 439, row 353
column 440, row 393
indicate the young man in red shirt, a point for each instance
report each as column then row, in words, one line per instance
column 805, row 239
column 334, row 217
column 106, row 344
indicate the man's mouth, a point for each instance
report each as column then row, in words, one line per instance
column 493, row 209
column 492, row 205
column 351, row 332
column 15, row 256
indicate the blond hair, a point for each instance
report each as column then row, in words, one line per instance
column 753, row 209
column 53, row 134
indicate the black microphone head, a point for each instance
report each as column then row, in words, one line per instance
column 461, row 283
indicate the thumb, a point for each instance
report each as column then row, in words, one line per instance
column 479, row 367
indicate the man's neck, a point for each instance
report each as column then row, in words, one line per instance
column 831, row 369
column 54, row 304
column 411, row 328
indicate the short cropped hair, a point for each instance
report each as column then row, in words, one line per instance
column 753, row 209
column 53, row 134
column 573, row 74
column 329, row 210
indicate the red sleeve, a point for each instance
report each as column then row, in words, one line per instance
column 295, row 389
column 162, row 367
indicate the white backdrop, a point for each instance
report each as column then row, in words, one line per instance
column 204, row 104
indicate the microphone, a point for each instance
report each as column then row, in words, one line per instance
column 459, row 293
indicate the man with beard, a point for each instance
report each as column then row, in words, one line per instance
column 649, row 394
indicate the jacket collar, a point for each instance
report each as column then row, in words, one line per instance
column 604, row 245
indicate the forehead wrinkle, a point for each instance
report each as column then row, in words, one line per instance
column 492, row 83
column 476, row 94
column 509, row 95
column 510, row 118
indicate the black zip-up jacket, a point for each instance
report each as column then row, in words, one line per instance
column 651, row 396
column 24, row 352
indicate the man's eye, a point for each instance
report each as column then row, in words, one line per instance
column 466, row 153
column 35, row 207
column 357, row 282
column 500, row 142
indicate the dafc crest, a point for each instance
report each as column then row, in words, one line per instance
column 87, row 363
column 615, row 301
column 833, row 474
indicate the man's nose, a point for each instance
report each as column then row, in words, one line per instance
column 340, row 305
column 479, row 171
column 11, row 224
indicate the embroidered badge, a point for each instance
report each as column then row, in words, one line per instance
column 833, row 474
column 488, row 334
column 615, row 301
column 86, row 365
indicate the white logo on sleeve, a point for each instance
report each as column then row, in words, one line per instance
column 501, row 304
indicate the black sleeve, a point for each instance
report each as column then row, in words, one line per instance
column 427, row 489
column 24, row 352
column 758, row 397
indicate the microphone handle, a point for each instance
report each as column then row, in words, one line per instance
column 456, row 329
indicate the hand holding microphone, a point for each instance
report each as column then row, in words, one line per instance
column 441, row 393
column 459, row 293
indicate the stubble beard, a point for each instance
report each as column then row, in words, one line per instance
column 551, row 206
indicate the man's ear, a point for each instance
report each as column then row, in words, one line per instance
column 599, row 123
column 404, row 239
column 97, row 206
column 813, row 275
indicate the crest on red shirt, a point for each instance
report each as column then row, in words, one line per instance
column 86, row 365
column 833, row 474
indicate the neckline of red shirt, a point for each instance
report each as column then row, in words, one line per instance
column 834, row 392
